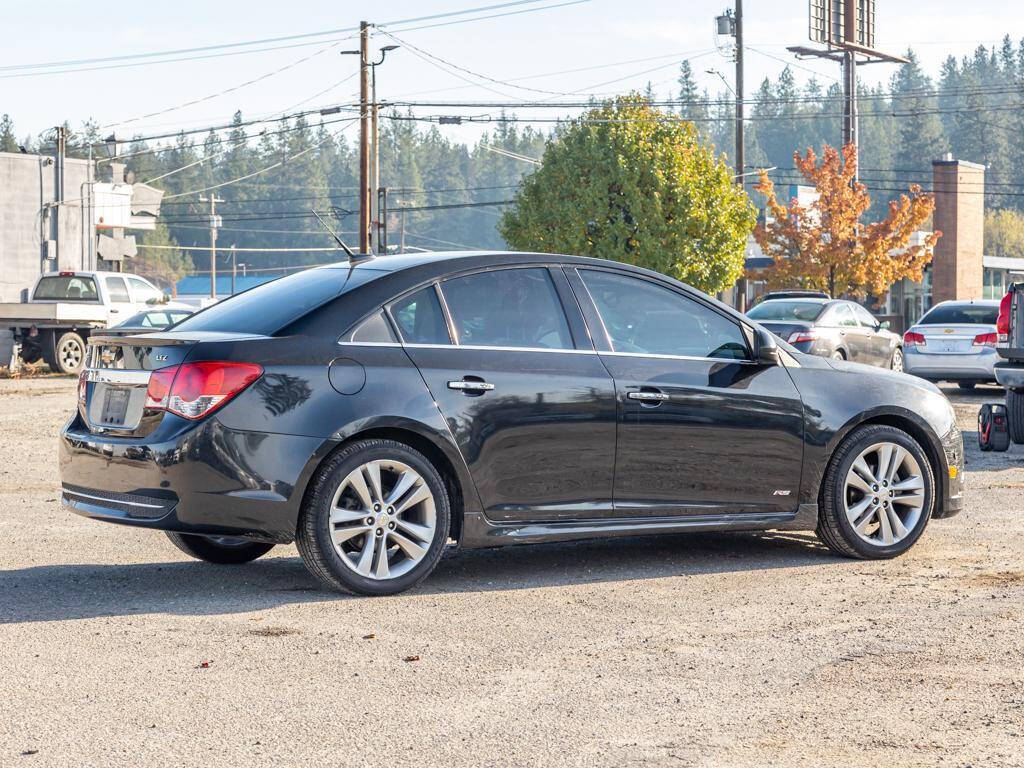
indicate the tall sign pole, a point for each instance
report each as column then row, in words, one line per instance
column 847, row 30
column 364, row 138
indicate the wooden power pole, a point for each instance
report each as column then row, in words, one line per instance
column 365, row 244
column 214, row 225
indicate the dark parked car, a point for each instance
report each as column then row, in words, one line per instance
column 148, row 321
column 372, row 411
column 842, row 330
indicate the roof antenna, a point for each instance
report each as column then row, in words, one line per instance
column 334, row 234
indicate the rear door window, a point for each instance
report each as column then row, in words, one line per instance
column 66, row 288
column 117, row 291
column 507, row 308
column 866, row 318
column 420, row 319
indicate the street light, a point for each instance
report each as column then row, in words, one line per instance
column 110, row 144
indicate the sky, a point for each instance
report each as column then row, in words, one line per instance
column 617, row 45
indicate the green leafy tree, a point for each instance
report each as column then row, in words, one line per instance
column 163, row 266
column 8, row 143
column 634, row 184
column 1004, row 233
column 919, row 138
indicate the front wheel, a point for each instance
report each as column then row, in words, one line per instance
column 877, row 494
column 222, row 550
column 968, row 385
column 376, row 521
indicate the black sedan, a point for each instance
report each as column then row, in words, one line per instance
column 842, row 330
column 372, row 411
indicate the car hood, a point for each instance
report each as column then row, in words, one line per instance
column 844, row 366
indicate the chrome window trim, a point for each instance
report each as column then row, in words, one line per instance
column 373, row 344
column 681, row 357
column 452, row 334
column 485, row 348
column 116, row 376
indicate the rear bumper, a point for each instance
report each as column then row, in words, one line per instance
column 970, row 367
column 1010, row 375
column 192, row 478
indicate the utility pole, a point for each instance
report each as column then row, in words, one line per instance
column 382, row 223
column 214, row 224
column 62, row 151
column 234, row 269
column 739, row 92
column 365, row 243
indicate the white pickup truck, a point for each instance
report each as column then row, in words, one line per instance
column 64, row 308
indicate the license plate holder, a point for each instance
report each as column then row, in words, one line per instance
column 115, row 406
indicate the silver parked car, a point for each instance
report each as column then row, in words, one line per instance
column 954, row 341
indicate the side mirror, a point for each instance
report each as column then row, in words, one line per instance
column 765, row 349
column 884, row 325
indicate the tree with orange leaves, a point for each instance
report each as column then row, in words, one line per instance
column 824, row 246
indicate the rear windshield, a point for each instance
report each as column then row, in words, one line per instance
column 960, row 314
column 780, row 309
column 268, row 308
column 66, row 288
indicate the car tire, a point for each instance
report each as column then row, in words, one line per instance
column 838, row 355
column 68, row 354
column 380, row 494
column 896, row 363
column 222, row 550
column 840, row 497
column 1015, row 415
column 967, row 384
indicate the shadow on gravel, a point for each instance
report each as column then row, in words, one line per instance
column 80, row 591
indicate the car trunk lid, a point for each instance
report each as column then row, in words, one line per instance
column 951, row 339
column 113, row 385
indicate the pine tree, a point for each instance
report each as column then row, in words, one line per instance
column 8, row 143
column 919, row 136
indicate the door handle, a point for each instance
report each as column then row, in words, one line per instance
column 649, row 396
column 471, row 386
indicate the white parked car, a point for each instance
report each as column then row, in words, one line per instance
column 954, row 341
column 64, row 308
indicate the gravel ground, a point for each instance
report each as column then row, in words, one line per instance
column 710, row 650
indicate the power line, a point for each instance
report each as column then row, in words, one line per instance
column 262, row 41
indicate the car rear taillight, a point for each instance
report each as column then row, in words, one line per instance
column 985, row 340
column 797, row 336
column 1003, row 321
column 914, row 339
column 194, row 390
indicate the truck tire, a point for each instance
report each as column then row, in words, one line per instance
column 68, row 353
column 1015, row 415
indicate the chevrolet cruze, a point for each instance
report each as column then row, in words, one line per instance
column 374, row 411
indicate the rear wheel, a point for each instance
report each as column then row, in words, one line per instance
column 896, row 363
column 223, row 550
column 838, row 355
column 1015, row 415
column 966, row 384
column 68, row 354
column 377, row 519
column 877, row 494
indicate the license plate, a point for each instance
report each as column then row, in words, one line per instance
column 115, row 406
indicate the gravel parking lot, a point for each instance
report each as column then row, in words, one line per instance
column 726, row 649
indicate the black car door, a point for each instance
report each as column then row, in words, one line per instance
column 522, row 389
column 703, row 429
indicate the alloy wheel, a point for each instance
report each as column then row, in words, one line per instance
column 884, row 494
column 897, row 360
column 382, row 519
